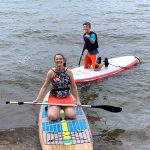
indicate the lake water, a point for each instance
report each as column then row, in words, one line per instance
column 31, row 32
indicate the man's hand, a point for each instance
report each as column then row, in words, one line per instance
column 87, row 36
column 81, row 54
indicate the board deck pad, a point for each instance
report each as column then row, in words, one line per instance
column 65, row 131
column 116, row 65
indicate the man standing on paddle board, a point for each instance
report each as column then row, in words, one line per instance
column 61, row 79
column 91, row 44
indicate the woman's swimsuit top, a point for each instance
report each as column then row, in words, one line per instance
column 60, row 84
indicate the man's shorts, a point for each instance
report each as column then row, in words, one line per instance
column 90, row 59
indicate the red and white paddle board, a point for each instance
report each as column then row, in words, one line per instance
column 116, row 65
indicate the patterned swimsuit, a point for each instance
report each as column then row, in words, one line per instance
column 60, row 84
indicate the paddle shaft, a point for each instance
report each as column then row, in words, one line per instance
column 30, row 103
column 81, row 55
column 80, row 60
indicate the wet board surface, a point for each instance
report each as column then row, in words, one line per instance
column 64, row 133
column 116, row 65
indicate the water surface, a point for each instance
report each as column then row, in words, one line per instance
column 32, row 32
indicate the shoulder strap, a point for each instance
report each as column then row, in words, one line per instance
column 66, row 69
column 53, row 70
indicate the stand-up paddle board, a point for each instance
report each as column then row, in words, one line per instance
column 64, row 134
column 116, row 65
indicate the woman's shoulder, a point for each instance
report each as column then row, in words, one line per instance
column 68, row 71
column 51, row 71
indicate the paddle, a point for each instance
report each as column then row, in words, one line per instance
column 105, row 107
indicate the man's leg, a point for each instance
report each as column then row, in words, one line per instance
column 87, row 61
column 93, row 59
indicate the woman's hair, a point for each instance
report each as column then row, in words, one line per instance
column 87, row 23
column 62, row 57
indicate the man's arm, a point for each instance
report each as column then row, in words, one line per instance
column 91, row 38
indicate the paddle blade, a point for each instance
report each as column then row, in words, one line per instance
column 108, row 108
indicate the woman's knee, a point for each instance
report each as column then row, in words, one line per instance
column 53, row 113
column 52, row 116
column 70, row 113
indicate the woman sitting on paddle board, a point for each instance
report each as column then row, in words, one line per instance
column 91, row 44
column 61, row 79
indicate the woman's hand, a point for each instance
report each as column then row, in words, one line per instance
column 78, row 103
column 35, row 101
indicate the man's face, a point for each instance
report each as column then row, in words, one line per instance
column 86, row 28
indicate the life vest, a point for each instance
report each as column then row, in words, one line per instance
column 91, row 47
column 60, row 84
